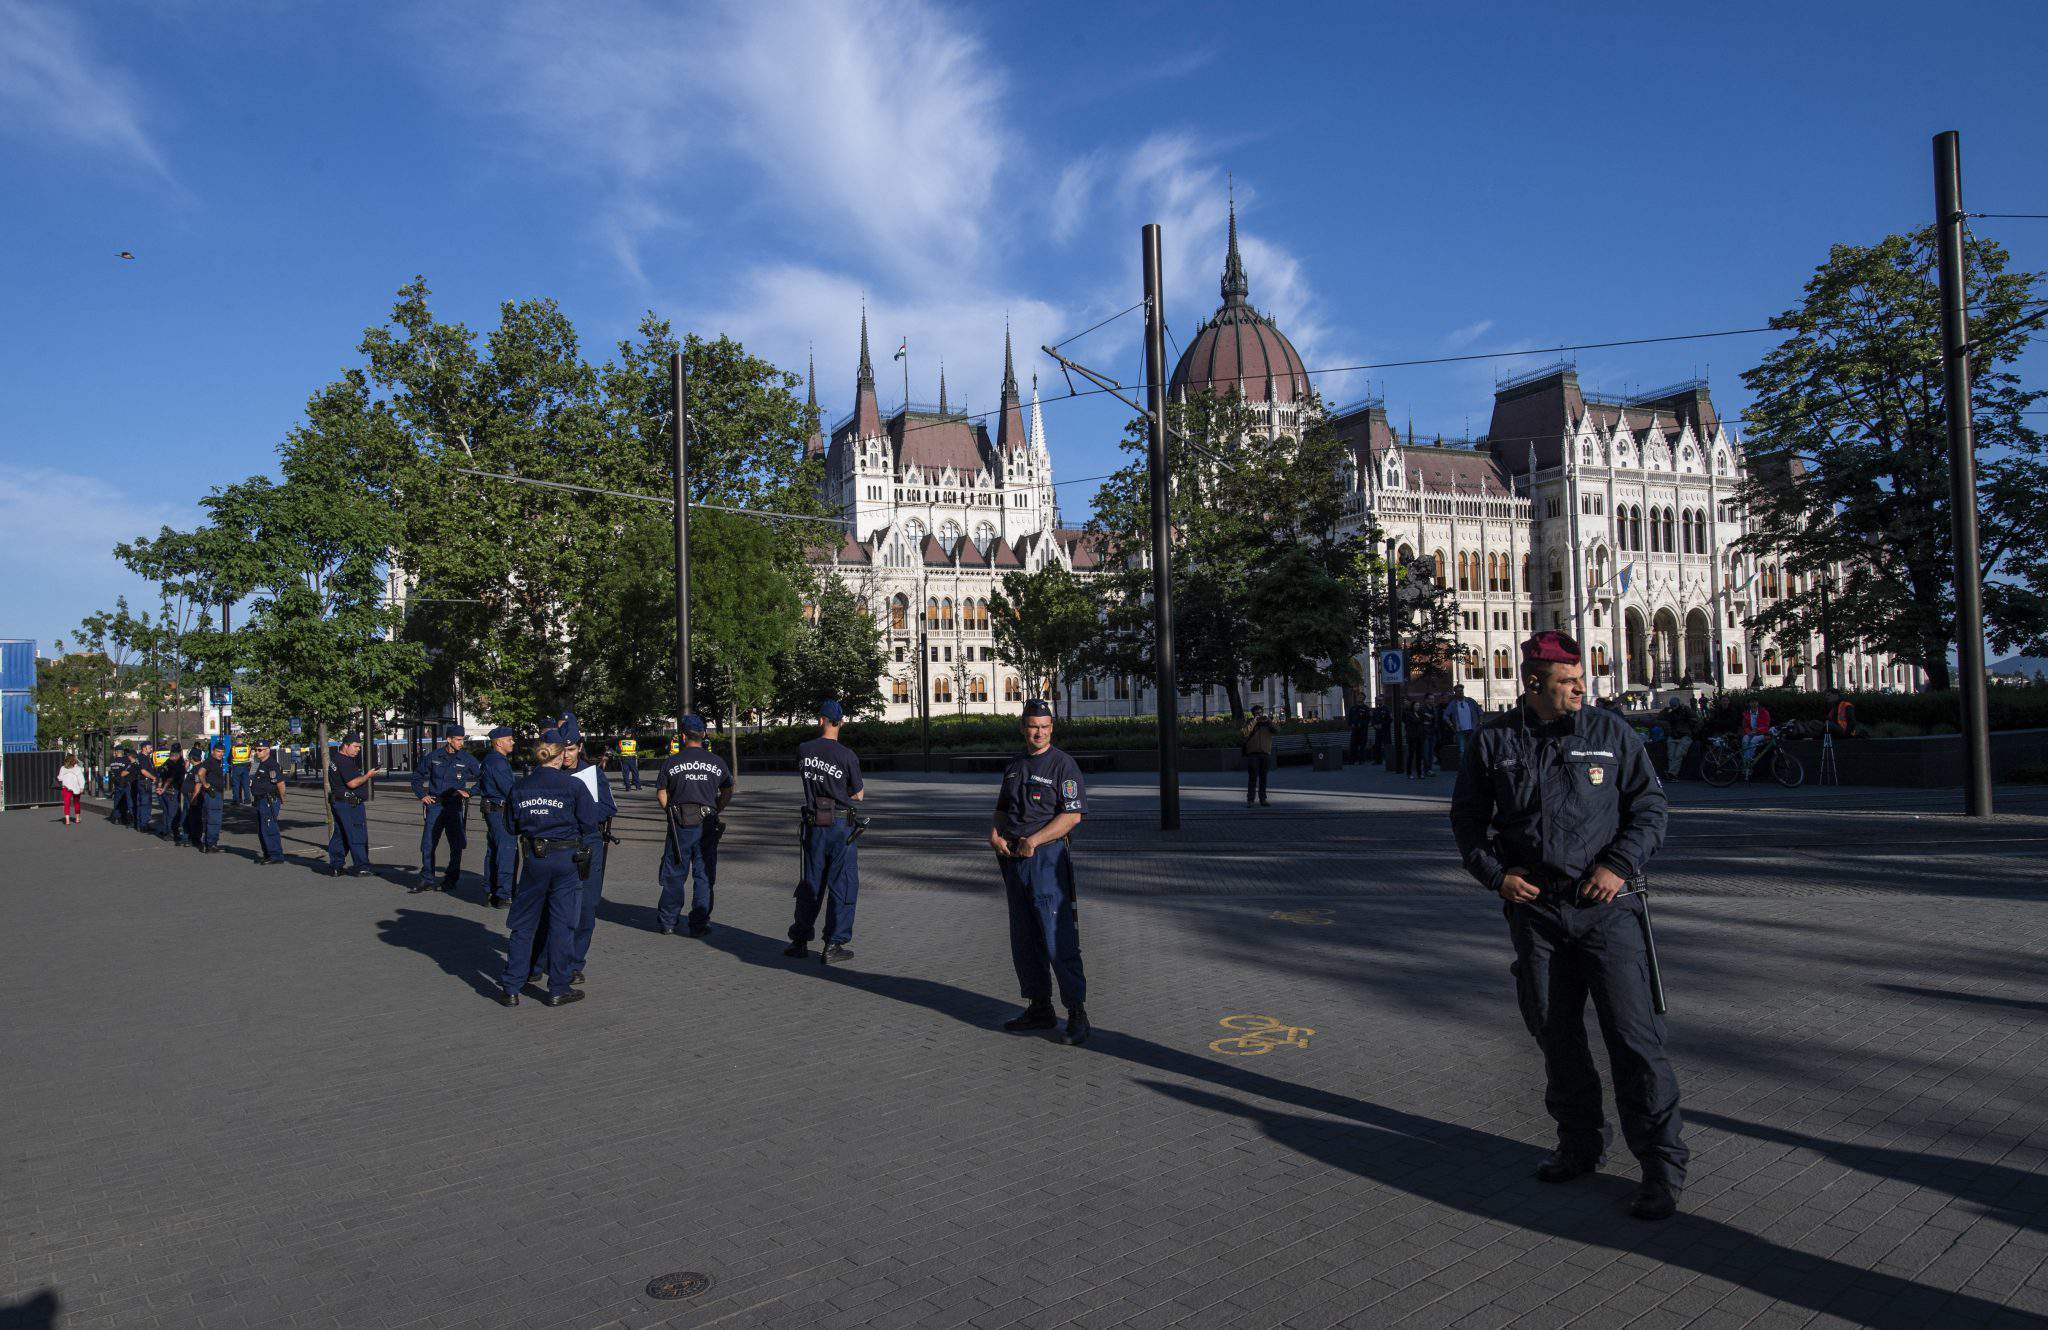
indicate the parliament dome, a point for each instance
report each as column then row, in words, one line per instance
column 1239, row 348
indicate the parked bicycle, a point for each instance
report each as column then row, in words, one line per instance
column 1723, row 761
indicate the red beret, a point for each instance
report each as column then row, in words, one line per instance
column 1551, row 646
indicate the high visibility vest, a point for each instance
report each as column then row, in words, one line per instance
column 674, row 746
column 629, row 748
column 158, row 759
column 241, row 754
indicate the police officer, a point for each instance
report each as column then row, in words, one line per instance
column 590, row 773
column 142, row 788
column 120, row 787
column 1557, row 809
column 629, row 763
column 170, row 795
column 209, row 783
column 695, row 787
column 195, row 810
column 442, row 784
column 238, row 771
column 1042, row 800
column 831, row 869
column 266, row 779
column 554, row 816
column 494, row 786
column 345, row 781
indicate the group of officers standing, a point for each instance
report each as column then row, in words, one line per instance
column 1557, row 810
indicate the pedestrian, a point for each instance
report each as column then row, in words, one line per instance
column 1358, row 722
column 1755, row 728
column 830, row 872
column 1415, row 731
column 170, row 795
column 266, row 782
column 576, row 761
column 1257, row 738
column 345, row 781
column 1382, row 733
column 208, row 787
column 1041, row 801
column 238, row 772
column 1679, row 725
column 494, row 786
column 1557, row 810
column 696, row 785
column 195, row 810
column 1461, row 716
column 442, row 784
column 120, row 785
column 553, row 815
column 1432, row 733
column 142, row 788
column 1841, row 716
column 71, row 785
column 629, row 763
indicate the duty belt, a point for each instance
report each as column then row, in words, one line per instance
column 494, row 805
column 347, row 797
column 541, row 848
column 824, row 813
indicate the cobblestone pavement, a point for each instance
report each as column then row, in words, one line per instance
column 260, row 1097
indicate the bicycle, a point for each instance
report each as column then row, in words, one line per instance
column 1723, row 761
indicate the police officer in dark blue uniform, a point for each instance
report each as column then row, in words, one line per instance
column 1557, row 809
column 266, row 783
column 208, row 788
column 591, row 773
column 120, row 785
column 170, row 796
column 494, row 787
column 831, row 867
column 555, row 817
column 695, row 787
column 142, row 789
column 442, row 784
column 345, row 781
column 1042, row 800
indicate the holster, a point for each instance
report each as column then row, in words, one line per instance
column 825, row 813
column 688, row 815
column 494, row 805
column 583, row 858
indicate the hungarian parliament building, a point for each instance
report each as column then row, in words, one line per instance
column 1610, row 517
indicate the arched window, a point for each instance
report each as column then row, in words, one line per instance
column 914, row 531
column 899, row 691
column 949, row 535
column 1013, row 689
column 899, row 612
column 1526, row 584
column 1670, row 531
column 1405, row 555
column 1656, row 533
column 1464, row 572
column 1441, row 568
column 977, row 689
column 931, row 613
column 946, row 612
column 1475, row 664
column 1502, row 667
column 942, row 689
column 1635, row 527
column 981, row 614
column 984, row 536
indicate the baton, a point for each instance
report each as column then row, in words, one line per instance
column 1650, row 947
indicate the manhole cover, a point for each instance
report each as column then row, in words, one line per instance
column 682, row 1284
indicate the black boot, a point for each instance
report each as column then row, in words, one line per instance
column 1078, row 1028
column 796, row 951
column 563, row 999
column 1655, row 1199
column 835, row 954
column 1037, row 1016
column 1563, row 1166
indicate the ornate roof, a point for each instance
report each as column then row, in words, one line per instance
column 1240, row 349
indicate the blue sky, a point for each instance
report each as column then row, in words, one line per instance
column 1412, row 181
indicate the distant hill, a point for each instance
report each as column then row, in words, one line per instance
column 2027, row 666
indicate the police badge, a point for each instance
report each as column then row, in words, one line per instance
column 1596, row 775
column 1070, row 789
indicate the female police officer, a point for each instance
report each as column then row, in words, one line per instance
column 1556, row 808
column 555, row 818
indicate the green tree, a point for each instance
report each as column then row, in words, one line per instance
column 1044, row 623
column 1848, row 453
column 1253, row 516
column 75, row 698
column 837, row 653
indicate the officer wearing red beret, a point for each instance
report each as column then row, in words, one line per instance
column 1556, row 809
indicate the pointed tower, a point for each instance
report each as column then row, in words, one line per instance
column 942, row 388
column 815, row 445
column 1010, row 427
column 867, row 413
column 1236, row 289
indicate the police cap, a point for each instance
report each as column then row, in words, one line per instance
column 1036, row 707
column 1550, row 646
column 551, row 735
column 830, row 710
column 351, row 738
column 694, row 724
column 502, row 732
column 259, row 743
column 455, row 731
column 572, row 733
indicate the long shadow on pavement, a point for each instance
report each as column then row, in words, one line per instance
column 36, row 1313
column 468, row 949
column 1442, row 1162
column 1978, row 999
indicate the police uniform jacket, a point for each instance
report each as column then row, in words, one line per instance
column 442, row 773
column 341, row 769
column 695, row 776
column 1036, row 789
column 215, row 772
column 1558, row 799
column 831, row 773
column 496, row 777
column 264, row 774
column 607, row 807
column 550, row 804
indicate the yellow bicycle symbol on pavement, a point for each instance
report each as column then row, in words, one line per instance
column 1259, row 1034
column 1315, row 916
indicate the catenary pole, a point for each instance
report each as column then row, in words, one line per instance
column 1962, row 473
column 1397, row 738
column 679, row 400
column 1161, row 493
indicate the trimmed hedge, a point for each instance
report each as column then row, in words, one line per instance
column 999, row 734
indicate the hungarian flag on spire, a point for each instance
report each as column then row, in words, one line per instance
column 902, row 350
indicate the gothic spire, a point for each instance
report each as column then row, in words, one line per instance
column 1010, row 424
column 867, row 366
column 1235, row 288
column 867, row 413
column 1037, row 420
column 811, row 377
column 1009, row 366
column 814, row 446
column 942, row 387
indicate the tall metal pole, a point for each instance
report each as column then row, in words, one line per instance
column 1962, row 473
column 1827, row 626
column 679, row 399
column 1161, row 491
column 924, row 687
column 1396, row 731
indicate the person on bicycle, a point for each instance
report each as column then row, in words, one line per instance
column 1556, row 810
column 1755, row 728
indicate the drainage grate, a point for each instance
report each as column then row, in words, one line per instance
column 682, row 1284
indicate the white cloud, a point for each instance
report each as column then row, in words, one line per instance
column 65, row 526
column 1074, row 196
column 52, row 85
column 1460, row 338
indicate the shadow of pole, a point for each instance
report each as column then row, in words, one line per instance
column 34, row 1313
